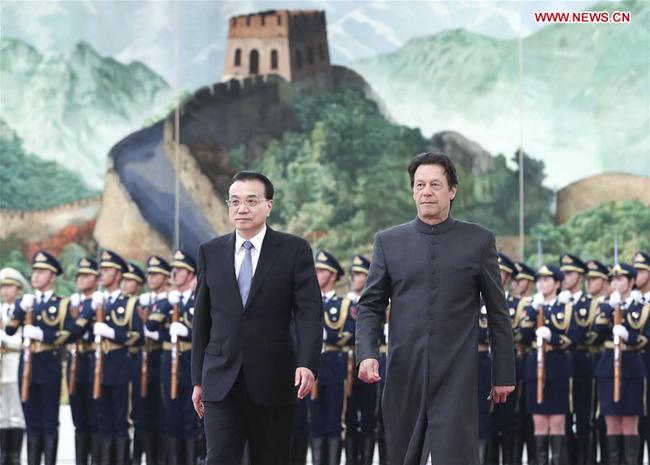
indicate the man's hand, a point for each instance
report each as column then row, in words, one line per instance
column 499, row 394
column 197, row 400
column 305, row 379
column 369, row 370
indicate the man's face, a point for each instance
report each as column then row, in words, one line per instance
column 431, row 192
column 109, row 276
column 547, row 286
column 357, row 281
column 130, row 287
column 156, row 281
column 181, row 277
column 519, row 286
column 622, row 284
column 86, row 282
column 9, row 293
column 596, row 286
column 326, row 278
column 42, row 280
column 571, row 281
column 643, row 279
column 244, row 217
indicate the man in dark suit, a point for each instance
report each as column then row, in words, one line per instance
column 434, row 271
column 257, row 294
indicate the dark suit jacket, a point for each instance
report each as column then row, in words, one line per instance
column 256, row 338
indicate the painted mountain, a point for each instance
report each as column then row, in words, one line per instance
column 586, row 92
column 72, row 107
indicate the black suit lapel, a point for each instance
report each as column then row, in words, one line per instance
column 270, row 251
column 230, row 266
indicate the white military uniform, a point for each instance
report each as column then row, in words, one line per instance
column 11, row 412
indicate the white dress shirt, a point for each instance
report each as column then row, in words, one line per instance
column 576, row 296
column 240, row 252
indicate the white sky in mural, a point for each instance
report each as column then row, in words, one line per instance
column 145, row 31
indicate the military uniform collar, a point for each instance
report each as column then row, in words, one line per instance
column 329, row 295
column 646, row 297
column 576, row 296
column 113, row 296
column 436, row 228
column 186, row 295
column 46, row 296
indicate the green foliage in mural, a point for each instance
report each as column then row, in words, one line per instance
column 30, row 183
column 343, row 176
column 590, row 234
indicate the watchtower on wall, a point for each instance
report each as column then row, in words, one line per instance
column 292, row 44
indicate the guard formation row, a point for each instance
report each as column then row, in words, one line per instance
column 580, row 330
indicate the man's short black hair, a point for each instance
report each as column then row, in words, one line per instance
column 434, row 158
column 269, row 191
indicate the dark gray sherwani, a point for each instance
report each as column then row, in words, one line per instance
column 433, row 277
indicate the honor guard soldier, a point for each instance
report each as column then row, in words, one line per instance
column 132, row 280
column 598, row 276
column 583, row 359
column 326, row 406
column 80, row 355
column 131, row 286
column 523, row 283
column 361, row 411
column 642, row 266
column 172, row 320
column 46, row 323
column 117, row 327
column 484, row 387
column 147, row 405
column 621, row 392
column 12, row 422
column 547, row 369
column 503, row 418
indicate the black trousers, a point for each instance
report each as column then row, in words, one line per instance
column 235, row 420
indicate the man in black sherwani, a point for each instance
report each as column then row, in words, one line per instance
column 433, row 271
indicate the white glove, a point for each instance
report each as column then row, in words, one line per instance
column 104, row 330
column 178, row 329
column 615, row 299
column 75, row 300
column 33, row 332
column 620, row 331
column 27, row 302
column 544, row 332
column 174, row 297
column 155, row 335
column 145, row 299
column 538, row 301
column 98, row 300
column 564, row 297
column 637, row 296
column 3, row 336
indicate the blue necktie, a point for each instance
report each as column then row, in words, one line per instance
column 246, row 273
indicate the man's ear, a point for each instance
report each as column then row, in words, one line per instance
column 454, row 191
